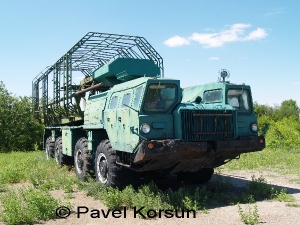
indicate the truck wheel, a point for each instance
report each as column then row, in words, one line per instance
column 82, row 159
column 49, row 148
column 199, row 177
column 105, row 164
column 59, row 157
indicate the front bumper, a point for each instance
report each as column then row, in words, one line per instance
column 177, row 156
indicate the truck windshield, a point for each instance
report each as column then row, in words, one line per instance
column 239, row 99
column 212, row 96
column 160, row 97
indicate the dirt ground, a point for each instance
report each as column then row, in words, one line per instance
column 270, row 212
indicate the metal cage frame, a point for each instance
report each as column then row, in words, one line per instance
column 90, row 53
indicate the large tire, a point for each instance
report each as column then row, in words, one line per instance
column 82, row 159
column 105, row 164
column 199, row 177
column 59, row 157
column 49, row 148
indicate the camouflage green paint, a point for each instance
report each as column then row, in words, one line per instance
column 125, row 69
column 67, row 141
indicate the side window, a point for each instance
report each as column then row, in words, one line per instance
column 113, row 102
column 239, row 99
column 126, row 100
column 138, row 93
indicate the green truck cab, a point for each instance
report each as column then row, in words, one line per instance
column 124, row 116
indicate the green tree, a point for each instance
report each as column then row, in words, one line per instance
column 264, row 110
column 288, row 108
column 284, row 123
column 19, row 131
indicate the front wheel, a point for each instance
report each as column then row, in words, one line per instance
column 199, row 177
column 105, row 164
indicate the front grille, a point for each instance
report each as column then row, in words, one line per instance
column 207, row 125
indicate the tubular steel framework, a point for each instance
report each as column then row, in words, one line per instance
column 93, row 51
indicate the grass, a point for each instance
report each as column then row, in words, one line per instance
column 32, row 201
column 33, row 167
column 37, row 178
column 250, row 215
column 218, row 193
column 278, row 160
column 293, row 205
column 26, row 206
column 259, row 189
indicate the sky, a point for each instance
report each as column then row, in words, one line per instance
column 256, row 41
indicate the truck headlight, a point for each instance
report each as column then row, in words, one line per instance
column 145, row 128
column 254, row 127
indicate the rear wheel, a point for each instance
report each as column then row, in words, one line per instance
column 49, row 148
column 82, row 159
column 199, row 177
column 59, row 157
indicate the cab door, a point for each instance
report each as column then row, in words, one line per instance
column 111, row 120
column 127, row 117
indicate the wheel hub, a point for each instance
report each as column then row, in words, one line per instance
column 57, row 155
column 102, row 169
column 79, row 161
column 47, row 152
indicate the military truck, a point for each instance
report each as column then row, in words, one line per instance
column 125, row 118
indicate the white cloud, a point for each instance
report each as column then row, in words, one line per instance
column 233, row 33
column 209, row 29
column 275, row 12
column 176, row 41
column 257, row 34
column 295, row 83
column 214, row 58
column 207, row 40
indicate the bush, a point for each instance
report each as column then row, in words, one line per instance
column 151, row 198
column 250, row 216
column 27, row 206
column 113, row 198
column 14, row 210
column 284, row 134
